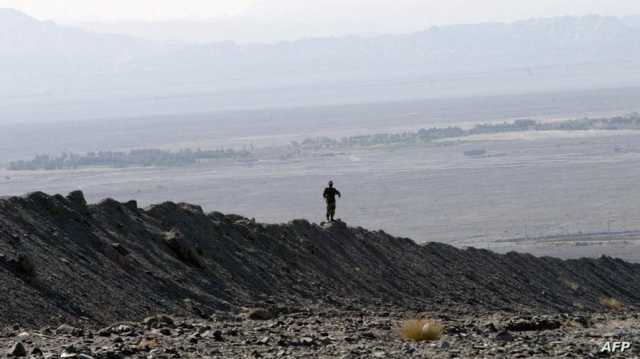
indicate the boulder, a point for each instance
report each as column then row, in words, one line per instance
column 533, row 324
column 17, row 350
column 119, row 248
column 77, row 199
column 504, row 336
column 66, row 329
column 260, row 314
column 159, row 321
column 182, row 248
column 131, row 205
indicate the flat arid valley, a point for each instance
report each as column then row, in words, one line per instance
column 531, row 190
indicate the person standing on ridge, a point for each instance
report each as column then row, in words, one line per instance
column 329, row 195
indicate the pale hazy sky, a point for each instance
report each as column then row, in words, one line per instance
column 278, row 20
column 428, row 11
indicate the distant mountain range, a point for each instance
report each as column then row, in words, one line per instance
column 51, row 71
column 252, row 30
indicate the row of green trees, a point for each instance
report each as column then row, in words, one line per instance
column 185, row 157
column 630, row 122
column 133, row 158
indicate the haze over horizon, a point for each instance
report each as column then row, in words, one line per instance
column 52, row 72
column 278, row 20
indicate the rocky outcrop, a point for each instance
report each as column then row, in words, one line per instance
column 114, row 261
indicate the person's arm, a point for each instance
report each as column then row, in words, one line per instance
column 324, row 194
column 338, row 193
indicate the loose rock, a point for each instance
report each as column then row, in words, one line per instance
column 17, row 350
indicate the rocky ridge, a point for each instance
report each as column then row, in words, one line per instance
column 65, row 261
column 88, row 281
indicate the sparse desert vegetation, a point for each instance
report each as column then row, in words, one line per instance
column 572, row 285
column 321, row 332
column 611, row 303
column 421, row 330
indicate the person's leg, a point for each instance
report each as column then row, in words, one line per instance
column 328, row 212
column 332, row 211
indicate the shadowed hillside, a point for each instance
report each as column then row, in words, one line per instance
column 63, row 260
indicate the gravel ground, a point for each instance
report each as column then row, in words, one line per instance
column 328, row 333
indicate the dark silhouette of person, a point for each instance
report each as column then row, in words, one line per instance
column 329, row 195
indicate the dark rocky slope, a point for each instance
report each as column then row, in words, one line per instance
column 65, row 261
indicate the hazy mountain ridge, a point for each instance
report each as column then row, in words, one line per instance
column 22, row 37
column 73, row 66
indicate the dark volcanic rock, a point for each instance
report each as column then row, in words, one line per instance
column 260, row 314
column 504, row 336
column 111, row 262
column 533, row 324
column 159, row 321
column 77, row 198
column 332, row 333
column 17, row 350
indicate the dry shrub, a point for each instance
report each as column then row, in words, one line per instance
column 572, row 324
column 611, row 303
column 147, row 343
column 421, row 330
column 572, row 285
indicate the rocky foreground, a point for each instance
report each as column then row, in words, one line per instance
column 321, row 333
column 70, row 270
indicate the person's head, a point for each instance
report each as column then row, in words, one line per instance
column 330, row 183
